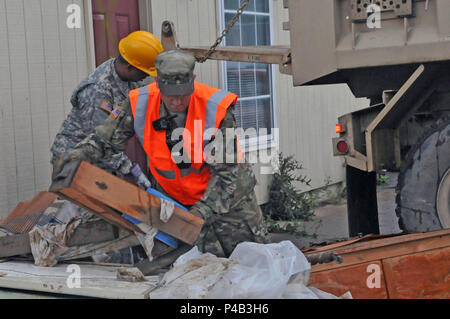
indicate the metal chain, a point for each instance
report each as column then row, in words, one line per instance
column 224, row 32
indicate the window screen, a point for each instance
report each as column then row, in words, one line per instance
column 252, row 82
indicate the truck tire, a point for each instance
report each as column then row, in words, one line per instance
column 424, row 183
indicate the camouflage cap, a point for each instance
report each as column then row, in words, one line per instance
column 175, row 72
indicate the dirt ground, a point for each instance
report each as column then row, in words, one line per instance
column 331, row 223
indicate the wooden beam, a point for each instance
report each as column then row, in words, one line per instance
column 93, row 232
column 254, row 54
column 99, row 209
column 103, row 193
column 26, row 213
column 95, row 281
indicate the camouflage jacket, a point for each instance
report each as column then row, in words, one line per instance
column 229, row 183
column 92, row 101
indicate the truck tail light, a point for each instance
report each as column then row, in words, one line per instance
column 341, row 128
column 342, row 147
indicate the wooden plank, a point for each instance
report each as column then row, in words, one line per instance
column 39, row 203
column 353, row 279
column 14, row 245
column 95, row 281
column 96, row 186
column 89, row 233
column 98, row 231
column 99, row 209
column 23, row 218
column 125, row 241
column 421, row 275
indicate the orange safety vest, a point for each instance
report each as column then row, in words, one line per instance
column 207, row 109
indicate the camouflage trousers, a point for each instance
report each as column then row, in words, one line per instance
column 244, row 222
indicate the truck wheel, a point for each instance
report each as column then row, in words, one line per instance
column 423, row 190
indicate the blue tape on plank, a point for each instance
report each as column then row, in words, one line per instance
column 160, row 195
column 165, row 238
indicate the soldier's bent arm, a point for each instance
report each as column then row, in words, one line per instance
column 230, row 181
column 109, row 138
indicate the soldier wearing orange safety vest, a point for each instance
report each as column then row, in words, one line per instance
column 186, row 129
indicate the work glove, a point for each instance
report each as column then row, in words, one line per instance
column 196, row 212
column 141, row 180
column 66, row 164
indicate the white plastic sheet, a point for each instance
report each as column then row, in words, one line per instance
column 253, row 271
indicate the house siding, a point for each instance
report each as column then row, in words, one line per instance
column 42, row 61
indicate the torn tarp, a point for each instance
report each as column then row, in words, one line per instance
column 48, row 242
column 147, row 240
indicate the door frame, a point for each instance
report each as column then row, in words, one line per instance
column 145, row 22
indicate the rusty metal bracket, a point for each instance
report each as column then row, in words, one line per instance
column 416, row 90
column 280, row 55
column 324, row 258
column 169, row 36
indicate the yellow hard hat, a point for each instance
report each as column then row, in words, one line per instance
column 140, row 49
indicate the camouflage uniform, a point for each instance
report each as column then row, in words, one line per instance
column 92, row 102
column 228, row 205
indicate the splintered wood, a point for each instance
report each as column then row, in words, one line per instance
column 108, row 196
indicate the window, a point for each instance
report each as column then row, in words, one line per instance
column 252, row 82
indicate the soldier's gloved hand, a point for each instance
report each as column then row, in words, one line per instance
column 196, row 212
column 65, row 165
column 141, row 180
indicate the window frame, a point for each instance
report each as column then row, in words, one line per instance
column 270, row 140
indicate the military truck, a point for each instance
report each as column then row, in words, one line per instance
column 396, row 53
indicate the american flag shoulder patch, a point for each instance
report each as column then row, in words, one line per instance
column 116, row 112
column 106, row 106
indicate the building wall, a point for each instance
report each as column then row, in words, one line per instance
column 41, row 62
column 196, row 24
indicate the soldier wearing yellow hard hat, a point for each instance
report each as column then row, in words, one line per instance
column 140, row 50
column 96, row 96
column 99, row 95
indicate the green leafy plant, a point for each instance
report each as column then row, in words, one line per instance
column 382, row 179
column 286, row 202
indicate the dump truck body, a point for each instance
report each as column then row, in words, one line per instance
column 397, row 54
column 339, row 41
